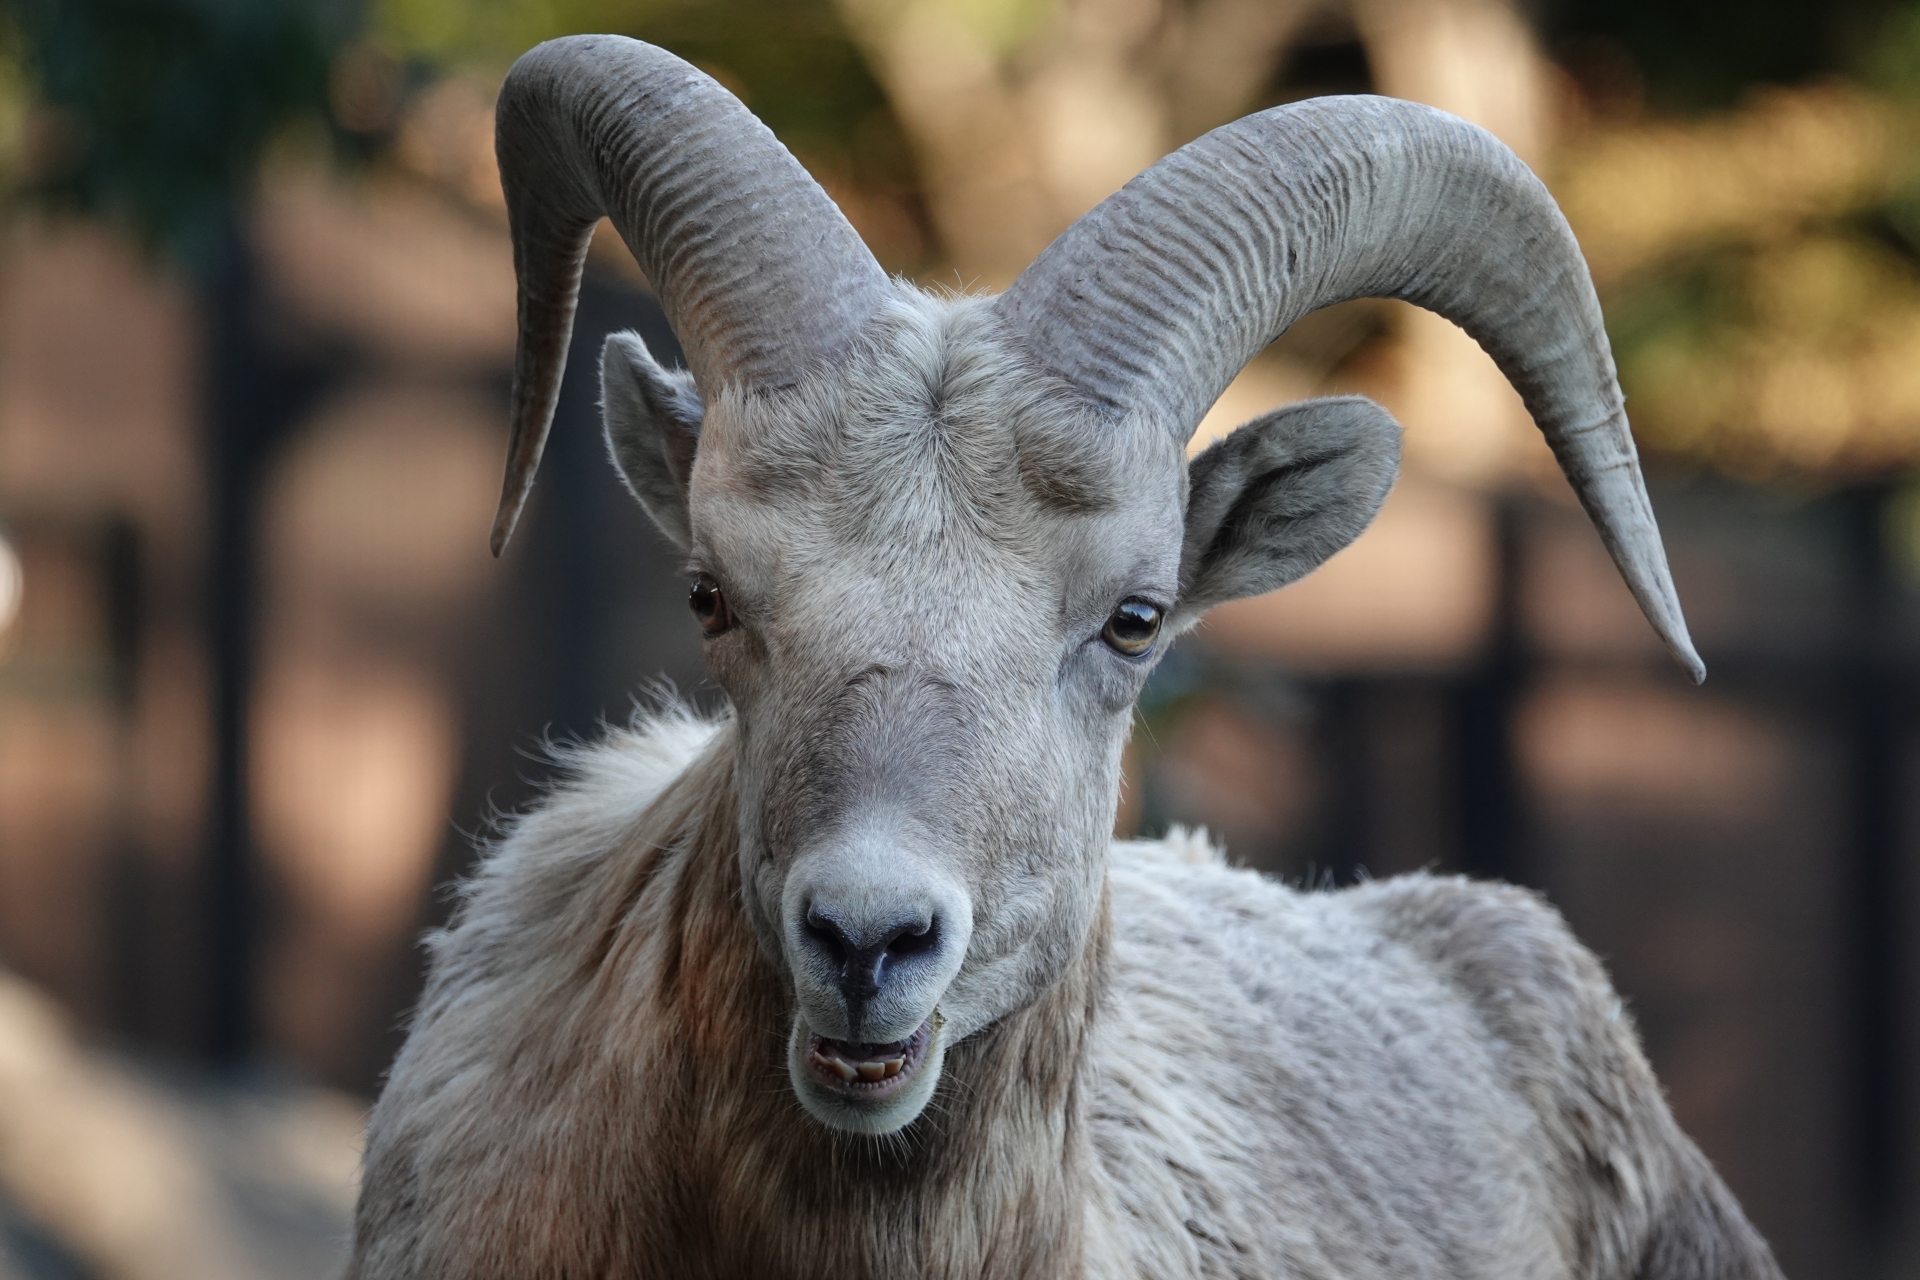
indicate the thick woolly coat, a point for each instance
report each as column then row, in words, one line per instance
column 1422, row 1076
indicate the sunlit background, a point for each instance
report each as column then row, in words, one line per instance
column 261, row 686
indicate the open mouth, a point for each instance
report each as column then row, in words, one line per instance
column 867, row 1071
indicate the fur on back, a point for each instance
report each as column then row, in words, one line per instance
column 1417, row 1077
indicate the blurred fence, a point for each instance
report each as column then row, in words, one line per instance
column 265, row 688
column 1738, row 853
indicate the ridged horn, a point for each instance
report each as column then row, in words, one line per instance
column 758, row 271
column 1155, row 300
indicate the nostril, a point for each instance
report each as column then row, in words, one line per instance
column 827, row 935
column 863, row 955
column 913, row 939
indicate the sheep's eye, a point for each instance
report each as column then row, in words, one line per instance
column 709, row 606
column 1132, row 629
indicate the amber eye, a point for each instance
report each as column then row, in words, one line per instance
column 709, row 606
column 1133, row 628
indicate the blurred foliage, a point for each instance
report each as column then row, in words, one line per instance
column 1764, row 297
column 1771, row 326
column 154, row 112
column 1795, row 355
column 1694, row 55
column 16, row 101
column 790, row 60
column 994, row 28
column 499, row 30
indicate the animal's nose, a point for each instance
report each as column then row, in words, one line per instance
column 863, row 951
column 873, row 931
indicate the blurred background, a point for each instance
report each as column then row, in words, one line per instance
column 261, row 686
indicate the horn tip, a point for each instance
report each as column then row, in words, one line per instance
column 503, row 525
column 1681, row 647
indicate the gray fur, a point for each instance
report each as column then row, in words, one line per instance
column 1147, row 1064
column 854, row 982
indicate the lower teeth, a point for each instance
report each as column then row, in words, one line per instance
column 869, row 1072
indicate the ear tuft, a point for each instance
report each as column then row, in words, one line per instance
column 652, row 416
column 1280, row 495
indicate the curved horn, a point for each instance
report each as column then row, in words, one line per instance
column 1155, row 300
column 759, row 272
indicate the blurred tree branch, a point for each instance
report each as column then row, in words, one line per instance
column 1027, row 113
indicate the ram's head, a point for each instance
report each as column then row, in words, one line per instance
column 937, row 544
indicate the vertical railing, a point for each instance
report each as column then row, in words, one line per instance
column 256, row 396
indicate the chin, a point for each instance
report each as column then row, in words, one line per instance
column 872, row 1089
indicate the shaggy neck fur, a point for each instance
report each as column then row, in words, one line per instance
column 661, row 1136
column 1423, row 1077
column 988, row 1184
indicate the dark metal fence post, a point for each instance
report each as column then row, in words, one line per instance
column 1874, row 969
column 1487, row 788
column 232, row 445
column 256, row 395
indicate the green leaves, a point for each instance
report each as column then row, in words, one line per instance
column 791, row 60
column 153, row 113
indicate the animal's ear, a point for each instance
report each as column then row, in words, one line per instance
column 653, row 428
column 1281, row 494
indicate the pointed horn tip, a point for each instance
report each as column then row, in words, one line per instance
column 1680, row 645
column 503, row 526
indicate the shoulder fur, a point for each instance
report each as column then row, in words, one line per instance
column 1447, row 1046
column 527, row 877
column 512, row 990
column 1571, row 1050
column 1420, row 1076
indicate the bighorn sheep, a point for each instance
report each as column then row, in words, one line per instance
column 853, row 982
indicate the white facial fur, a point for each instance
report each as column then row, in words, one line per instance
column 920, row 549
column 929, row 719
